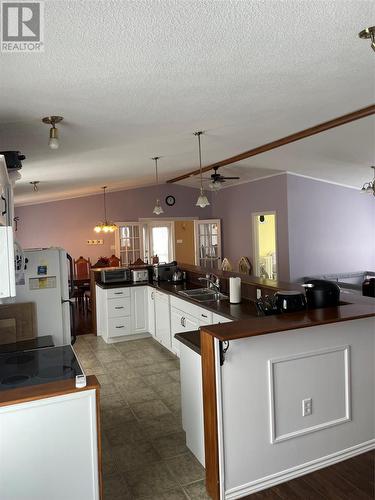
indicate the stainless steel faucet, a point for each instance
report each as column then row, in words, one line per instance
column 212, row 281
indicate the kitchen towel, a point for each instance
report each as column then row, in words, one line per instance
column 234, row 290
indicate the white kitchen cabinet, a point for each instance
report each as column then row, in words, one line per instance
column 162, row 319
column 139, row 300
column 7, row 270
column 217, row 318
column 181, row 322
column 151, row 310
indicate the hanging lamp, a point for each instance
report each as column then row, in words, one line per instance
column 106, row 226
column 202, row 200
column 158, row 209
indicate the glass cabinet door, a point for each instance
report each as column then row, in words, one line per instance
column 130, row 241
column 208, row 243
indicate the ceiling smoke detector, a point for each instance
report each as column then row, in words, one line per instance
column 368, row 33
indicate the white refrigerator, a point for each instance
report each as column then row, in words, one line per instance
column 47, row 281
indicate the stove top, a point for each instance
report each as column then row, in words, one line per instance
column 38, row 367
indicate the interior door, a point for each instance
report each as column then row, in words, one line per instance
column 208, row 243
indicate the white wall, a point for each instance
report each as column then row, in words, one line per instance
column 334, row 366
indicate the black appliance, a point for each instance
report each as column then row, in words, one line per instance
column 40, row 366
column 164, row 272
column 368, row 287
column 290, row 301
column 321, row 293
column 116, row 275
column 13, row 159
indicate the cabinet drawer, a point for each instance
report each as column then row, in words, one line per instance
column 197, row 312
column 119, row 326
column 115, row 293
column 118, row 307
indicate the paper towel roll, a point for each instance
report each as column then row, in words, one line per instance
column 234, row 290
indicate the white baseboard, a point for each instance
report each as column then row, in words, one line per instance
column 297, row 471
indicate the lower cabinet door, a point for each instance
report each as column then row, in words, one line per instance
column 151, row 310
column 162, row 319
column 181, row 322
column 119, row 326
column 139, row 309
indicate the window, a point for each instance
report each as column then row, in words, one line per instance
column 160, row 236
column 208, row 243
column 129, row 243
column 265, row 244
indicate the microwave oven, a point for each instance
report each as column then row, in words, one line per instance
column 115, row 275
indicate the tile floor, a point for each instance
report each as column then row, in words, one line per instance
column 144, row 451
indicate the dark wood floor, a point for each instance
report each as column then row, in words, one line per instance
column 349, row 480
column 82, row 319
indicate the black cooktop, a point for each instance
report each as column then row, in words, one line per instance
column 20, row 369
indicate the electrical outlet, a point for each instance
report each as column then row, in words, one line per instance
column 306, row 407
column 259, row 293
column 95, row 242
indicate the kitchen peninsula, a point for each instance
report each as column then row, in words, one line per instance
column 282, row 395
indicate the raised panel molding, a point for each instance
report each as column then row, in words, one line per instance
column 275, row 436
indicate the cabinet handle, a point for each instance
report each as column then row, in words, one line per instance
column 122, row 326
column 119, row 293
column 119, row 307
column 204, row 315
column 152, row 295
column 182, row 321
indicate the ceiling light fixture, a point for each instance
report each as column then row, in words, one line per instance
column 35, row 185
column 158, row 209
column 106, row 226
column 369, row 187
column 368, row 33
column 53, row 142
column 202, row 200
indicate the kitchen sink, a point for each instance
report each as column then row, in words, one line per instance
column 203, row 294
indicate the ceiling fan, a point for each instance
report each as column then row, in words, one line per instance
column 216, row 179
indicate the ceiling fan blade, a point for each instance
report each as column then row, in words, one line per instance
column 230, row 178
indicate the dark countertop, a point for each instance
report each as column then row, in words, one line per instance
column 28, row 345
column 191, row 339
column 223, row 307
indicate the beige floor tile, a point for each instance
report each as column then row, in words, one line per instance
column 112, row 401
column 158, row 379
column 109, row 390
column 109, row 356
column 152, row 369
column 154, row 480
column 141, row 361
column 135, row 456
column 175, row 494
column 197, row 491
column 128, row 433
column 186, row 468
column 116, row 488
column 116, row 417
column 175, row 374
column 171, row 445
column 168, row 390
column 139, row 395
column 150, row 409
column 130, row 384
column 173, row 403
column 161, row 426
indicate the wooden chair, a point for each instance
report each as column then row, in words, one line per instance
column 82, row 268
column 114, row 261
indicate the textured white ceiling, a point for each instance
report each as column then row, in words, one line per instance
column 135, row 79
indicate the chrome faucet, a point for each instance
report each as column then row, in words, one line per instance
column 212, row 281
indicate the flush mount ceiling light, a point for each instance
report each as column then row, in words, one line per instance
column 53, row 142
column 158, row 209
column 369, row 187
column 368, row 33
column 35, row 185
column 202, row 200
column 106, row 226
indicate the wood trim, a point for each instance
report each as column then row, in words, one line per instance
column 99, row 436
column 93, row 301
column 49, row 390
column 211, row 444
column 302, row 134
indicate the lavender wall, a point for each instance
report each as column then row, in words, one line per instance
column 234, row 207
column 331, row 228
column 69, row 223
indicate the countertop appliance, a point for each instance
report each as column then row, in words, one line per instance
column 115, row 275
column 140, row 275
column 164, row 272
column 368, row 287
column 321, row 293
column 46, row 282
column 38, row 366
column 178, row 276
column 290, row 301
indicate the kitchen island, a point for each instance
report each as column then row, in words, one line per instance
column 50, row 443
column 285, row 395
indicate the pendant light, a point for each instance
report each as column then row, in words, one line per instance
column 53, row 142
column 158, row 209
column 106, row 226
column 202, row 200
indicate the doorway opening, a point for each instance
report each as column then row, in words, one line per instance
column 265, row 244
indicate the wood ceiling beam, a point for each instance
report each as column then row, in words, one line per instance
column 302, row 134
